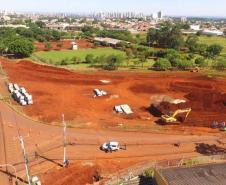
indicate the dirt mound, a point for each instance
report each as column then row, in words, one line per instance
column 75, row 174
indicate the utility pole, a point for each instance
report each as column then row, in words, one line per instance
column 65, row 161
column 2, row 134
column 25, row 159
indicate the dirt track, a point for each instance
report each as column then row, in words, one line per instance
column 71, row 93
column 58, row 90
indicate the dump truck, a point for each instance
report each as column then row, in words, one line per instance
column 172, row 117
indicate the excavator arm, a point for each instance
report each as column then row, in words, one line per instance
column 172, row 118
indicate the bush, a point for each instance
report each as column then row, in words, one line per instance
column 184, row 64
column 148, row 173
column 213, row 50
column 201, row 62
column 173, row 56
column 89, row 58
column 162, row 64
column 112, row 62
column 76, row 60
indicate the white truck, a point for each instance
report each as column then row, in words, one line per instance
column 35, row 181
column 99, row 92
column 111, row 146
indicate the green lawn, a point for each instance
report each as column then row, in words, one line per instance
column 56, row 56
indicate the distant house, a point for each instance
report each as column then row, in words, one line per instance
column 74, row 46
column 108, row 41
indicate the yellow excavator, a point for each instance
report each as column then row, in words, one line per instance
column 172, row 116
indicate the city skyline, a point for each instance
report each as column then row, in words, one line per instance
column 172, row 8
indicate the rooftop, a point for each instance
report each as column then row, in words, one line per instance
column 211, row 174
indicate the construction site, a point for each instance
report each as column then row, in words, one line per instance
column 159, row 116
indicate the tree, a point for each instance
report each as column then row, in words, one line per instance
column 152, row 36
column 2, row 47
column 192, row 42
column 113, row 62
column 40, row 24
column 129, row 54
column 213, row 50
column 162, row 64
column 200, row 49
column 56, row 35
column 21, row 47
column 168, row 36
column 142, row 59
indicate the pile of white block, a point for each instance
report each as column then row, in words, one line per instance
column 20, row 94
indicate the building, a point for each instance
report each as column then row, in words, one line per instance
column 160, row 15
column 108, row 41
column 195, row 27
column 210, row 174
column 183, row 19
column 214, row 32
column 74, row 46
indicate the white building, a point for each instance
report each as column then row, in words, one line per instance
column 74, row 46
column 195, row 27
column 212, row 32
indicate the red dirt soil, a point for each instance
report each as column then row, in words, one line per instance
column 66, row 44
column 71, row 93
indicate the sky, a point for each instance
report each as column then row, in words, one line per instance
column 168, row 7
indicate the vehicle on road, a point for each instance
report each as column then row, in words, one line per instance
column 111, row 146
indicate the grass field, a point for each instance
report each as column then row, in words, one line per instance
column 56, row 56
column 53, row 58
column 214, row 40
